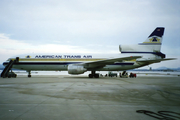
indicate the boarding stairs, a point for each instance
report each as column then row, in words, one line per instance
column 5, row 73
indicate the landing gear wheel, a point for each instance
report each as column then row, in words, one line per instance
column 90, row 75
column 96, row 75
column 93, row 74
column 29, row 74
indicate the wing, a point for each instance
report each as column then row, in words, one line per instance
column 102, row 63
column 154, row 61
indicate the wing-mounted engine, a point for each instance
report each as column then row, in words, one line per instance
column 76, row 69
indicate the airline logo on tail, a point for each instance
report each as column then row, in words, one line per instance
column 155, row 36
column 155, row 39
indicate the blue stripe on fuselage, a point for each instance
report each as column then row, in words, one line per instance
column 57, row 63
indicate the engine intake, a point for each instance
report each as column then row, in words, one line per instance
column 76, row 69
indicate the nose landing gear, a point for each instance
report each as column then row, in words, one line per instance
column 29, row 74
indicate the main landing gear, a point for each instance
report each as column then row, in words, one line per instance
column 93, row 74
column 29, row 74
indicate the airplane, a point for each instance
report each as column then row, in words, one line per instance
column 142, row 54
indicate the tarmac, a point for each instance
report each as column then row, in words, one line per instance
column 63, row 97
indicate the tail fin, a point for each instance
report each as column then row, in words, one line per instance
column 152, row 45
column 155, row 38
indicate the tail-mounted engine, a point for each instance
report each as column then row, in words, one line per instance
column 142, row 49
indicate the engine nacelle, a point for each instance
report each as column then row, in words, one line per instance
column 76, row 69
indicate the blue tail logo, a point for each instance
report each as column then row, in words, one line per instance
column 154, row 39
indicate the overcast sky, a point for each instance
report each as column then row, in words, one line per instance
column 86, row 26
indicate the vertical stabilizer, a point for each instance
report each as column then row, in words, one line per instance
column 151, row 46
column 155, row 37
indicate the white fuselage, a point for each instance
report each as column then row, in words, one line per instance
column 61, row 62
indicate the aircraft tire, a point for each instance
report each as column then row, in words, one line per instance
column 29, row 76
column 90, row 75
column 96, row 75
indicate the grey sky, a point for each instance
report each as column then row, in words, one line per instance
column 85, row 25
